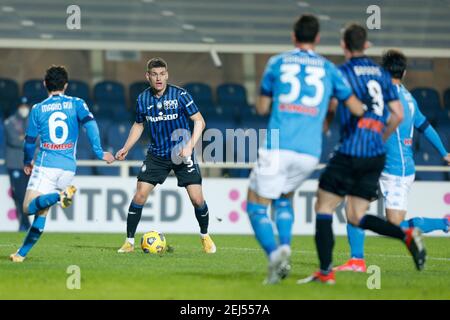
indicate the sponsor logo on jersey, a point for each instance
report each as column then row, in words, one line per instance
column 52, row 146
column 295, row 108
column 408, row 141
column 370, row 124
column 162, row 117
column 170, row 104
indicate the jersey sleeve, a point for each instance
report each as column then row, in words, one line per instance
column 33, row 124
column 187, row 103
column 139, row 117
column 268, row 79
column 341, row 88
column 84, row 115
column 390, row 91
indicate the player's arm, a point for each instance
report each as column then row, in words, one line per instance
column 423, row 126
column 135, row 134
column 355, row 106
column 342, row 91
column 264, row 100
column 263, row 105
column 86, row 119
column 199, row 125
column 395, row 117
column 331, row 113
column 94, row 139
column 29, row 146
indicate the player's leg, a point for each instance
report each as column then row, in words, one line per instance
column 356, row 238
column 39, row 198
column 428, row 224
column 140, row 197
column 356, row 208
column 267, row 180
column 201, row 210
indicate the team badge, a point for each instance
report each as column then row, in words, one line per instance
column 159, row 105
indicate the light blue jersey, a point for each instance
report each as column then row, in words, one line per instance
column 56, row 120
column 301, row 84
column 399, row 146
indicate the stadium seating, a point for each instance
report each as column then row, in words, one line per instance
column 9, row 96
column 135, row 89
column 79, row 89
column 429, row 104
column 447, row 99
column 109, row 97
column 203, row 97
column 231, row 98
column 116, row 136
column 138, row 153
column 427, row 155
column 35, row 91
column 2, row 146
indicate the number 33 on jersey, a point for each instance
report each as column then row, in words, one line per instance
column 301, row 84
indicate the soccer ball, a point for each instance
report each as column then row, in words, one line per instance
column 153, row 242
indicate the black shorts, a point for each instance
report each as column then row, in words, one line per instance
column 156, row 169
column 346, row 175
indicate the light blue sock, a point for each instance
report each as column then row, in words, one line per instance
column 356, row 237
column 42, row 202
column 37, row 228
column 284, row 218
column 426, row 224
column 262, row 226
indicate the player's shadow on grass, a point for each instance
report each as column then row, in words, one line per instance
column 222, row 276
column 79, row 246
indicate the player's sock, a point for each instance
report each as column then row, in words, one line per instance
column 262, row 226
column 324, row 241
column 33, row 235
column 42, row 202
column 380, row 226
column 356, row 237
column 202, row 215
column 426, row 224
column 133, row 218
column 284, row 218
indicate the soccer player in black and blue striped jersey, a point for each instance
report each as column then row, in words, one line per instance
column 354, row 170
column 167, row 109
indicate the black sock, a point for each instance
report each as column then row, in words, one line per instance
column 324, row 241
column 133, row 218
column 202, row 215
column 381, row 226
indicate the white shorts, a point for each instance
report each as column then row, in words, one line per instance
column 279, row 172
column 48, row 180
column 395, row 190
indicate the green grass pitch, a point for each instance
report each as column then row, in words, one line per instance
column 236, row 271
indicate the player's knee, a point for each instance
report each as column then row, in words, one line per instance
column 198, row 202
column 140, row 198
column 353, row 220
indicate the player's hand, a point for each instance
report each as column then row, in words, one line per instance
column 28, row 168
column 121, row 154
column 186, row 152
column 108, row 157
column 447, row 159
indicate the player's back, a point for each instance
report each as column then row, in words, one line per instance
column 57, row 122
column 362, row 137
column 301, row 83
column 399, row 151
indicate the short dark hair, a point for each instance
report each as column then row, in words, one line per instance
column 355, row 36
column 306, row 28
column 56, row 78
column 395, row 62
column 156, row 63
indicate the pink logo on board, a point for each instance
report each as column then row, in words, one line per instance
column 447, row 199
column 12, row 213
column 234, row 195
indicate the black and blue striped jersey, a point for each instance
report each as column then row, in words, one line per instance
column 362, row 137
column 164, row 116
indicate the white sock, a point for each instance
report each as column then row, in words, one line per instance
column 203, row 235
column 131, row 240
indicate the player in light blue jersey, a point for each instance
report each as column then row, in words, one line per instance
column 399, row 170
column 56, row 121
column 297, row 85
